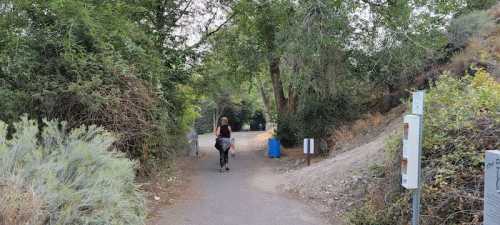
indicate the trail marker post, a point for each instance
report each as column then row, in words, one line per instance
column 308, row 149
column 412, row 150
column 492, row 188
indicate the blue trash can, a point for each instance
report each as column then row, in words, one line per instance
column 274, row 148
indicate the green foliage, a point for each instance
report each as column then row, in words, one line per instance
column 240, row 112
column 377, row 170
column 369, row 214
column 461, row 122
column 288, row 130
column 258, row 121
column 76, row 174
column 320, row 54
column 318, row 115
column 392, row 147
column 461, row 29
column 97, row 62
column 472, row 5
column 205, row 122
column 480, row 52
column 365, row 215
column 315, row 117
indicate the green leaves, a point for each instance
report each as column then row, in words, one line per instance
column 90, row 62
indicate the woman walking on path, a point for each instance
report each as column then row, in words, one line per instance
column 223, row 133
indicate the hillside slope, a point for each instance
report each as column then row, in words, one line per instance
column 339, row 183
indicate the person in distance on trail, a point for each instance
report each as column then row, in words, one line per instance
column 223, row 142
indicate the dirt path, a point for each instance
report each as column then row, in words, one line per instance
column 247, row 195
column 340, row 183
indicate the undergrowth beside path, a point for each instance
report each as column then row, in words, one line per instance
column 55, row 176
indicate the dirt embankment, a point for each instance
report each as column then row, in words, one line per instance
column 338, row 184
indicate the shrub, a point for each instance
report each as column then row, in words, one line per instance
column 481, row 51
column 316, row 117
column 370, row 214
column 461, row 122
column 258, row 121
column 288, row 130
column 463, row 28
column 91, row 62
column 74, row 176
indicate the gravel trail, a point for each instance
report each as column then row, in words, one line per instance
column 247, row 195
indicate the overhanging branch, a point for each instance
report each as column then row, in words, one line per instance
column 210, row 33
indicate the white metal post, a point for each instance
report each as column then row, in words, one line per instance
column 418, row 109
column 492, row 187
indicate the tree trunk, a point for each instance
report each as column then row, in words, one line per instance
column 292, row 99
column 279, row 95
column 266, row 100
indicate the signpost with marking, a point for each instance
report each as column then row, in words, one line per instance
column 308, row 149
column 492, row 188
column 412, row 151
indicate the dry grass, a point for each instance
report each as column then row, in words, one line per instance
column 20, row 206
column 344, row 133
column 263, row 137
column 482, row 51
column 293, row 153
column 495, row 11
column 376, row 119
column 361, row 126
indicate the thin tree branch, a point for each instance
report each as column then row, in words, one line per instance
column 208, row 34
column 184, row 11
column 373, row 3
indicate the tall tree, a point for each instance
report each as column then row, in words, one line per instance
column 263, row 21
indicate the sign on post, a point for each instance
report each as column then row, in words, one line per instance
column 308, row 149
column 492, row 188
column 308, row 146
column 412, row 147
column 410, row 164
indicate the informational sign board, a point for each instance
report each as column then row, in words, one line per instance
column 418, row 103
column 308, row 146
column 492, row 188
column 410, row 163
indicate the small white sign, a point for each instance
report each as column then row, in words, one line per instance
column 308, row 146
column 410, row 163
column 418, row 103
column 492, row 188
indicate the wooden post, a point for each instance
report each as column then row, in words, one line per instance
column 308, row 155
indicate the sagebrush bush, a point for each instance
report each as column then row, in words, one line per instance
column 75, row 176
column 461, row 122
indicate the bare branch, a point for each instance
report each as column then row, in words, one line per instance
column 210, row 33
column 376, row 4
column 184, row 11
